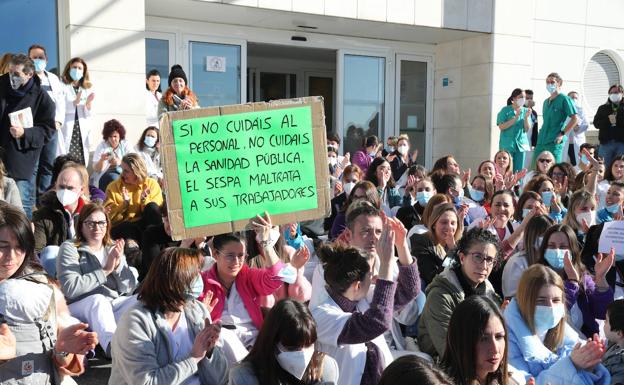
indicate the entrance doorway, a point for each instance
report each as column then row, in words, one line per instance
column 284, row 72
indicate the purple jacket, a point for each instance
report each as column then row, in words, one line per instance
column 361, row 159
column 592, row 302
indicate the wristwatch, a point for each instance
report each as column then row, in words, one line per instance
column 61, row 355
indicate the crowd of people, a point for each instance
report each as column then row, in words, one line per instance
column 440, row 276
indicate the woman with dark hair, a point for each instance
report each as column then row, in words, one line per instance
column 94, row 275
column 586, row 297
column 48, row 343
column 75, row 132
column 421, row 192
column 564, row 177
column 168, row 337
column 609, row 120
column 178, row 96
column 476, row 255
column 541, row 343
column 362, row 190
column 284, row 351
column 446, row 165
column 149, row 149
column 411, row 369
column 350, row 177
column 527, row 256
column 480, row 191
column 614, row 173
column 514, row 120
column 108, row 154
column 551, row 199
column 152, row 97
column 364, row 156
column 476, row 344
column 402, row 160
column 380, row 174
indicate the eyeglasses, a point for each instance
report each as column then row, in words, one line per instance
column 544, row 160
column 558, row 174
column 479, row 258
column 93, row 224
column 232, row 257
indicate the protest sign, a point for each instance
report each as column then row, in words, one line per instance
column 612, row 236
column 224, row 165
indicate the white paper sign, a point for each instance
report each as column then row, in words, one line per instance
column 215, row 63
column 612, row 236
column 22, row 118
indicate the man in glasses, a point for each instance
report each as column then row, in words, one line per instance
column 54, row 220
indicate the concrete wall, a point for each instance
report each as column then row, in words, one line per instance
column 109, row 36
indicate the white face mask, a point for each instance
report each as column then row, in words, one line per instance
column 520, row 102
column 347, row 187
column 615, row 98
column 403, row 149
column 66, row 197
column 295, row 362
column 332, row 160
column 589, row 216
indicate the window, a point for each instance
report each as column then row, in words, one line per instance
column 27, row 22
column 157, row 57
column 600, row 73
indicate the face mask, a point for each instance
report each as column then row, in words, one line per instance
column 457, row 200
column 149, row 141
column 520, row 102
column 40, row 65
column 422, row 197
column 390, row 149
column 538, row 242
column 66, row 197
column 554, row 257
column 403, row 149
column 476, row 195
column 75, row 74
column 197, row 287
column 551, row 87
column 547, row 197
column 295, row 362
column 547, row 317
column 16, row 81
column 332, row 146
column 372, row 154
column 615, row 98
column 589, row 216
column 577, row 103
column 613, row 208
column 347, row 187
column 525, row 212
column 584, row 159
column 332, row 160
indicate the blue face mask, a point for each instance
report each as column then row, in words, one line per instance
column 551, row 87
column 75, row 74
column 477, row 195
column 422, row 197
column 197, row 287
column 554, row 257
column 613, row 208
column 40, row 65
column 547, row 317
column 525, row 212
column 149, row 141
column 584, row 159
column 547, row 197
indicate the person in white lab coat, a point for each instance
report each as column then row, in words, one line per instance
column 152, row 97
column 74, row 135
column 576, row 137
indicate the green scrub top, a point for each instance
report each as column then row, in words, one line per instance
column 514, row 138
column 555, row 113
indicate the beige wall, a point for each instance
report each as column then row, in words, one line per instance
column 109, row 36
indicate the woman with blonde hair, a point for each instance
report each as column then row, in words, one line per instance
column 541, row 343
column 431, row 248
column 581, row 214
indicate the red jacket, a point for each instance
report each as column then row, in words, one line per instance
column 251, row 284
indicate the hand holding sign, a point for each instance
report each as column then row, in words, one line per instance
column 604, row 262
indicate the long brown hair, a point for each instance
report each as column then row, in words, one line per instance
column 186, row 92
column 575, row 250
column 435, row 217
column 170, row 276
column 85, row 212
column 84, row 82
column 531, row 282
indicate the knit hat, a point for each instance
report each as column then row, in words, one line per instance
column 177, row 72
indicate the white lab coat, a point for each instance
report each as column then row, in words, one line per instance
column 84, row 116
column 577, row 134
column 104, row 147
column 57, row 93
column 151, row 108
column 351, row 358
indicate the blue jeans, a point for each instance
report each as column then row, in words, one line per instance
column 26, row 188
column 610, row 150
column 46, row 160
column 48, row 259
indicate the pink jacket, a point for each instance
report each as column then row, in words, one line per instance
column 251, row 284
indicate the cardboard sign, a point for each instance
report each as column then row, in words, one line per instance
column 224, row 165
column 612, row 236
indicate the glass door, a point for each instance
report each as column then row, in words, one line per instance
column 413, row 115
column 362, row 95
column 217, row 71
column 322, row 84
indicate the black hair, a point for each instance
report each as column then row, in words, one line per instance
column 503, row 192
column 514, row 94
column 528, row 91
column 333, row 136
column 466, row 327
column 411, row 369
column 222, row 239
column 615, row 312
column 358, row 208
column 371, row 173
column 417, row 168
column 150, row 73
column 343, row 266
column 475, row 236
column 443, row 183
column 371, row 141
column 587, row 146
column 16, row 221
column 608, row 173
column 141, row 144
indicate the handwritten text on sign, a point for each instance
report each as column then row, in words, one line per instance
column 232, row 167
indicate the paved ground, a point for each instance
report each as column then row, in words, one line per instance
column 97, row 373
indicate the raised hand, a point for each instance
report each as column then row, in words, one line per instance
column 586, row 357
column 385, row 250
column 262, row 226
column 210, row 301
column 569, row 268
column 301, row 257
column 345, row 160
column 114, row 257
column 75, row 339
